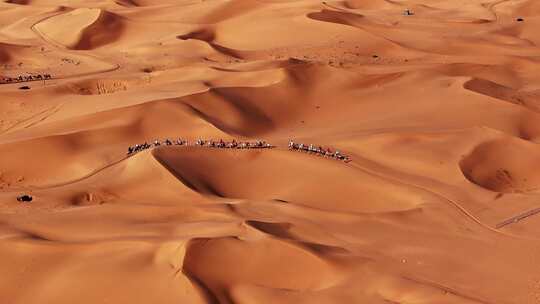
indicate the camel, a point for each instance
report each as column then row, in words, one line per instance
column 408, row 12
column 291, row 145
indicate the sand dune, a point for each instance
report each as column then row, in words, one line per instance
column 81, row 29
column 493, row 165
column 438, row 111
column 291, row 187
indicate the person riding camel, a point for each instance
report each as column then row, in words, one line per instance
column 408, row 12
column 328, row 152
column 168, row 142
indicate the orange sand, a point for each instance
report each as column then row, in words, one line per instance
column 439, row 112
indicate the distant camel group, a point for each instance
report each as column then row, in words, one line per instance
column 260, row 144
column 25, row 78
column 318, row 150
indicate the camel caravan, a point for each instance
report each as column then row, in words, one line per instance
column 5, row 80
column 260, row 144
column 318, row 151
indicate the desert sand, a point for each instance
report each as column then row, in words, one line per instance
column 438, row 110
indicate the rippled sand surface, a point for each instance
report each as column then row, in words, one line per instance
column 438, row 110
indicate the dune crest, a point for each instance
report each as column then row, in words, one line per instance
column 82, row 28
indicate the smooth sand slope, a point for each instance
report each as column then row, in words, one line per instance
column 439, row 112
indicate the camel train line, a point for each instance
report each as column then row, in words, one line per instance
column 20, row 78
column 320, row 151
column 259, row 144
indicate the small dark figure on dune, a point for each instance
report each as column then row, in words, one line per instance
column 24, row 198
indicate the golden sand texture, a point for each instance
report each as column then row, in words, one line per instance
column 438, row 110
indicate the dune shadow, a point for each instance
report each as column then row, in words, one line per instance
column 282, row 230
column 208, row 36
column 501, row 92
column 196, row 184
column 344, row 18
column 239, row 114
